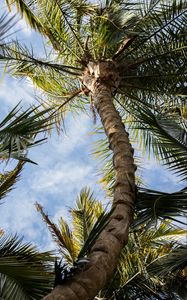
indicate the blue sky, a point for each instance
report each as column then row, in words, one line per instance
column 65, row 165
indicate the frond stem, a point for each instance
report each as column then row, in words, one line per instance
column 155, row 33
column 70, row 26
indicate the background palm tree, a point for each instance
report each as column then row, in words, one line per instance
column 152, row 254
column 121, row 54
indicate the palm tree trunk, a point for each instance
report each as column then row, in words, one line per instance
column 105, row 252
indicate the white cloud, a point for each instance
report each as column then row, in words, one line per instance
column 22, row 25
column 13, row 91
column 18, row 214
column 64, row 163
column 62, row 212
column 76, row 135
column 63, row 178
column 157, row 176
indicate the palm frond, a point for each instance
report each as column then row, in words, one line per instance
column 87, row 210
column 151, row 205
column 6, row 23
column 160, row 134
column 109, row 28
column 23, row 62
column 175, row 260
column 159, row 22
column 145, row 248
column 49, row 76
column 24, row 273
column 154, row 282
column 61, row 235
column 62, row 101
column 18, row 131
column 153, row 67
column 8, row 180
column 70, row 243
column 96, row 230
column 58, row 20
column 24, row 9
column 88, row 221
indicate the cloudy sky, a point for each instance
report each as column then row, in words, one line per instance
column 65, row 164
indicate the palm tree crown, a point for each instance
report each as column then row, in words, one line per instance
column 139, row 45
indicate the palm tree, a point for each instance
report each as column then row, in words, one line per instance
column 25, row 273
column 139, row 272
column 119, row 54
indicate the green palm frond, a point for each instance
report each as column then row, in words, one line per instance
column 6, row 23
column 165, row 233
column 58, row 82
column 160, row 134
column 151, row 205
column 61, row 235
column 163, row 270
column 23, row 62
column 160, row 23
column 175, row 260
column 87, row 210
column 109, row 29
column 25, row 11
column 172, row 270
column 94, row 233
column 70, row 242
column 145, row 248
column 154, row 67
column 18, row 131
column 8, row 179
column 59, row 21
column 67, row 269
column 89, row 219
column 24, row 273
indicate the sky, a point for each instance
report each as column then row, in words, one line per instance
column 65, row 164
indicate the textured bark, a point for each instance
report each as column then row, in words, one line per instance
column 105, row 252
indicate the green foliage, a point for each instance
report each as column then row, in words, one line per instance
column 153, row 205
column 6, row 24
column 24, row 273
column 86, row 211
column 138, row 272
column 18, row 131
column 62, row 236
column 140, row 269
column 175, row 260
column 88, row 220
column 165, row 135
column 8, row 180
